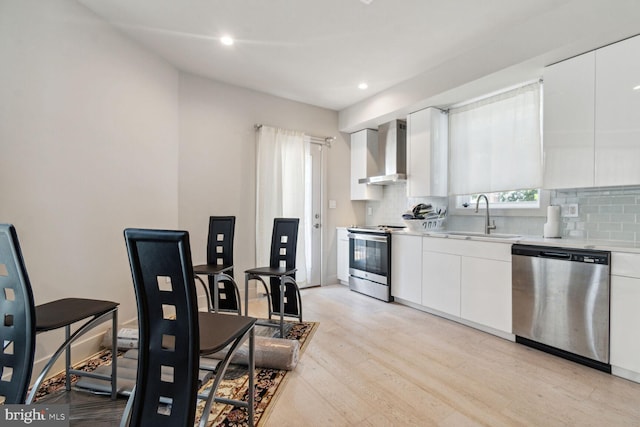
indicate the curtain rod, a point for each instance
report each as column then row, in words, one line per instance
column 318, row 140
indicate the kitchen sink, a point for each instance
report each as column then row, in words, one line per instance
column 471, row 234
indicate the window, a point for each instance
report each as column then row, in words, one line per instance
column 516, row 199
column 496, row 143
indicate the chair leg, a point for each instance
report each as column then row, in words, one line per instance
column 67, row 358
column 252, row 372
column 283, row 288
column 206, row 292
column 64, row 347
column 225, row 276
column 114, row 355
column 221, row 369
column 126, row 415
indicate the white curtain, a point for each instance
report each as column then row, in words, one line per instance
column 495, row 143
column 280, row 190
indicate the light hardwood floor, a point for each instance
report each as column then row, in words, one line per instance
column 376, row 364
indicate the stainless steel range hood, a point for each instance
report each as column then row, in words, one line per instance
column 392, row 154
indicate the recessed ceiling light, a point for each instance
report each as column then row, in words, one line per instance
column 637, row 87
column 363, row 86
column 226, row 40
column 367, row 2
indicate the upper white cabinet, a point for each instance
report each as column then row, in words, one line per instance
column 569, row 122
column 427, row 153
column 592, row 118
column 406, row 267
column 618, row 114
column 364, row 151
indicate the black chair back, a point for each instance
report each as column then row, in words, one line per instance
column 163, row 280
column 18, row 321
column 284, row 243
column 220, row 252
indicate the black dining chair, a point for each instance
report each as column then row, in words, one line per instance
column 283, row 294
column 62, row 313
column 174, row 334
column 222, row 293
column 18, row 326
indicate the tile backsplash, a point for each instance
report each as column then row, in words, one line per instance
column 603, row 213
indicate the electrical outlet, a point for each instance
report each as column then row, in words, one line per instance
column 569, row 211
column 369, row 211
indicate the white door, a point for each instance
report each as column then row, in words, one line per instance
column 313, row 221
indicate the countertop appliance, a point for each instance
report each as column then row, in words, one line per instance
column 370, row 260
column 561, row 302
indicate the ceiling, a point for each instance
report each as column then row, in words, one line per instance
column 318, row 51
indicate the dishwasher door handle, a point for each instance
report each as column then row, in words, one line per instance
column 556, row 255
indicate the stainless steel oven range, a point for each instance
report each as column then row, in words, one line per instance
column 370, row 261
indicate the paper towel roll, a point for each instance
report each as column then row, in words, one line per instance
column 553, row 214
column 551, row 229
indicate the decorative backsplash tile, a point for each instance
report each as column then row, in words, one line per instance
column 603, row 213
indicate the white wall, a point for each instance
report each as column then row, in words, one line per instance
column 217, row 163
column 89, row 146
column 97, row 134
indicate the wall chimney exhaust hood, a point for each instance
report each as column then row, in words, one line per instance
column 392, row 154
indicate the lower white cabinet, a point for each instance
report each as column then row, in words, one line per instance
column 470, row 280
column 441, row 282
column 486, row 292
column 406, row 267
column 625, row 312
column 343, row 255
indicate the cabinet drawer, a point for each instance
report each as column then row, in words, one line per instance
column 470, row 248
column 625, row 264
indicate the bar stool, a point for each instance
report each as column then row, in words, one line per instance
column 64, row 313
column 283, row 295
column 223, row 293
column 173, row 333
column 18, row 326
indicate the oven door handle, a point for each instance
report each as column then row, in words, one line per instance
column 357, row 236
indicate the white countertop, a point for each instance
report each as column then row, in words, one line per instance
column 604, row 245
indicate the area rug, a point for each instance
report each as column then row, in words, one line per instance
column 267, row 383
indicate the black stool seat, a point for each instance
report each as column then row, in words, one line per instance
column 62, row 312
column 271, row 271
column 219, row 330
column 211, row 269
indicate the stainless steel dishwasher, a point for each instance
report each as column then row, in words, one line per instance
column 561, row 302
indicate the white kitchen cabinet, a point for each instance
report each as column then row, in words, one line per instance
column 406, row 267
column 625, row 314
column 468, row 279
column 486, row 292
column 617, row 114
column 591, row 116
column 427, row 153
column 343, row 255
column 441, row 282
column 569, row 95
column 364, row 153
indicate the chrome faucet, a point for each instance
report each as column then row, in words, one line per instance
column 489, row 225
